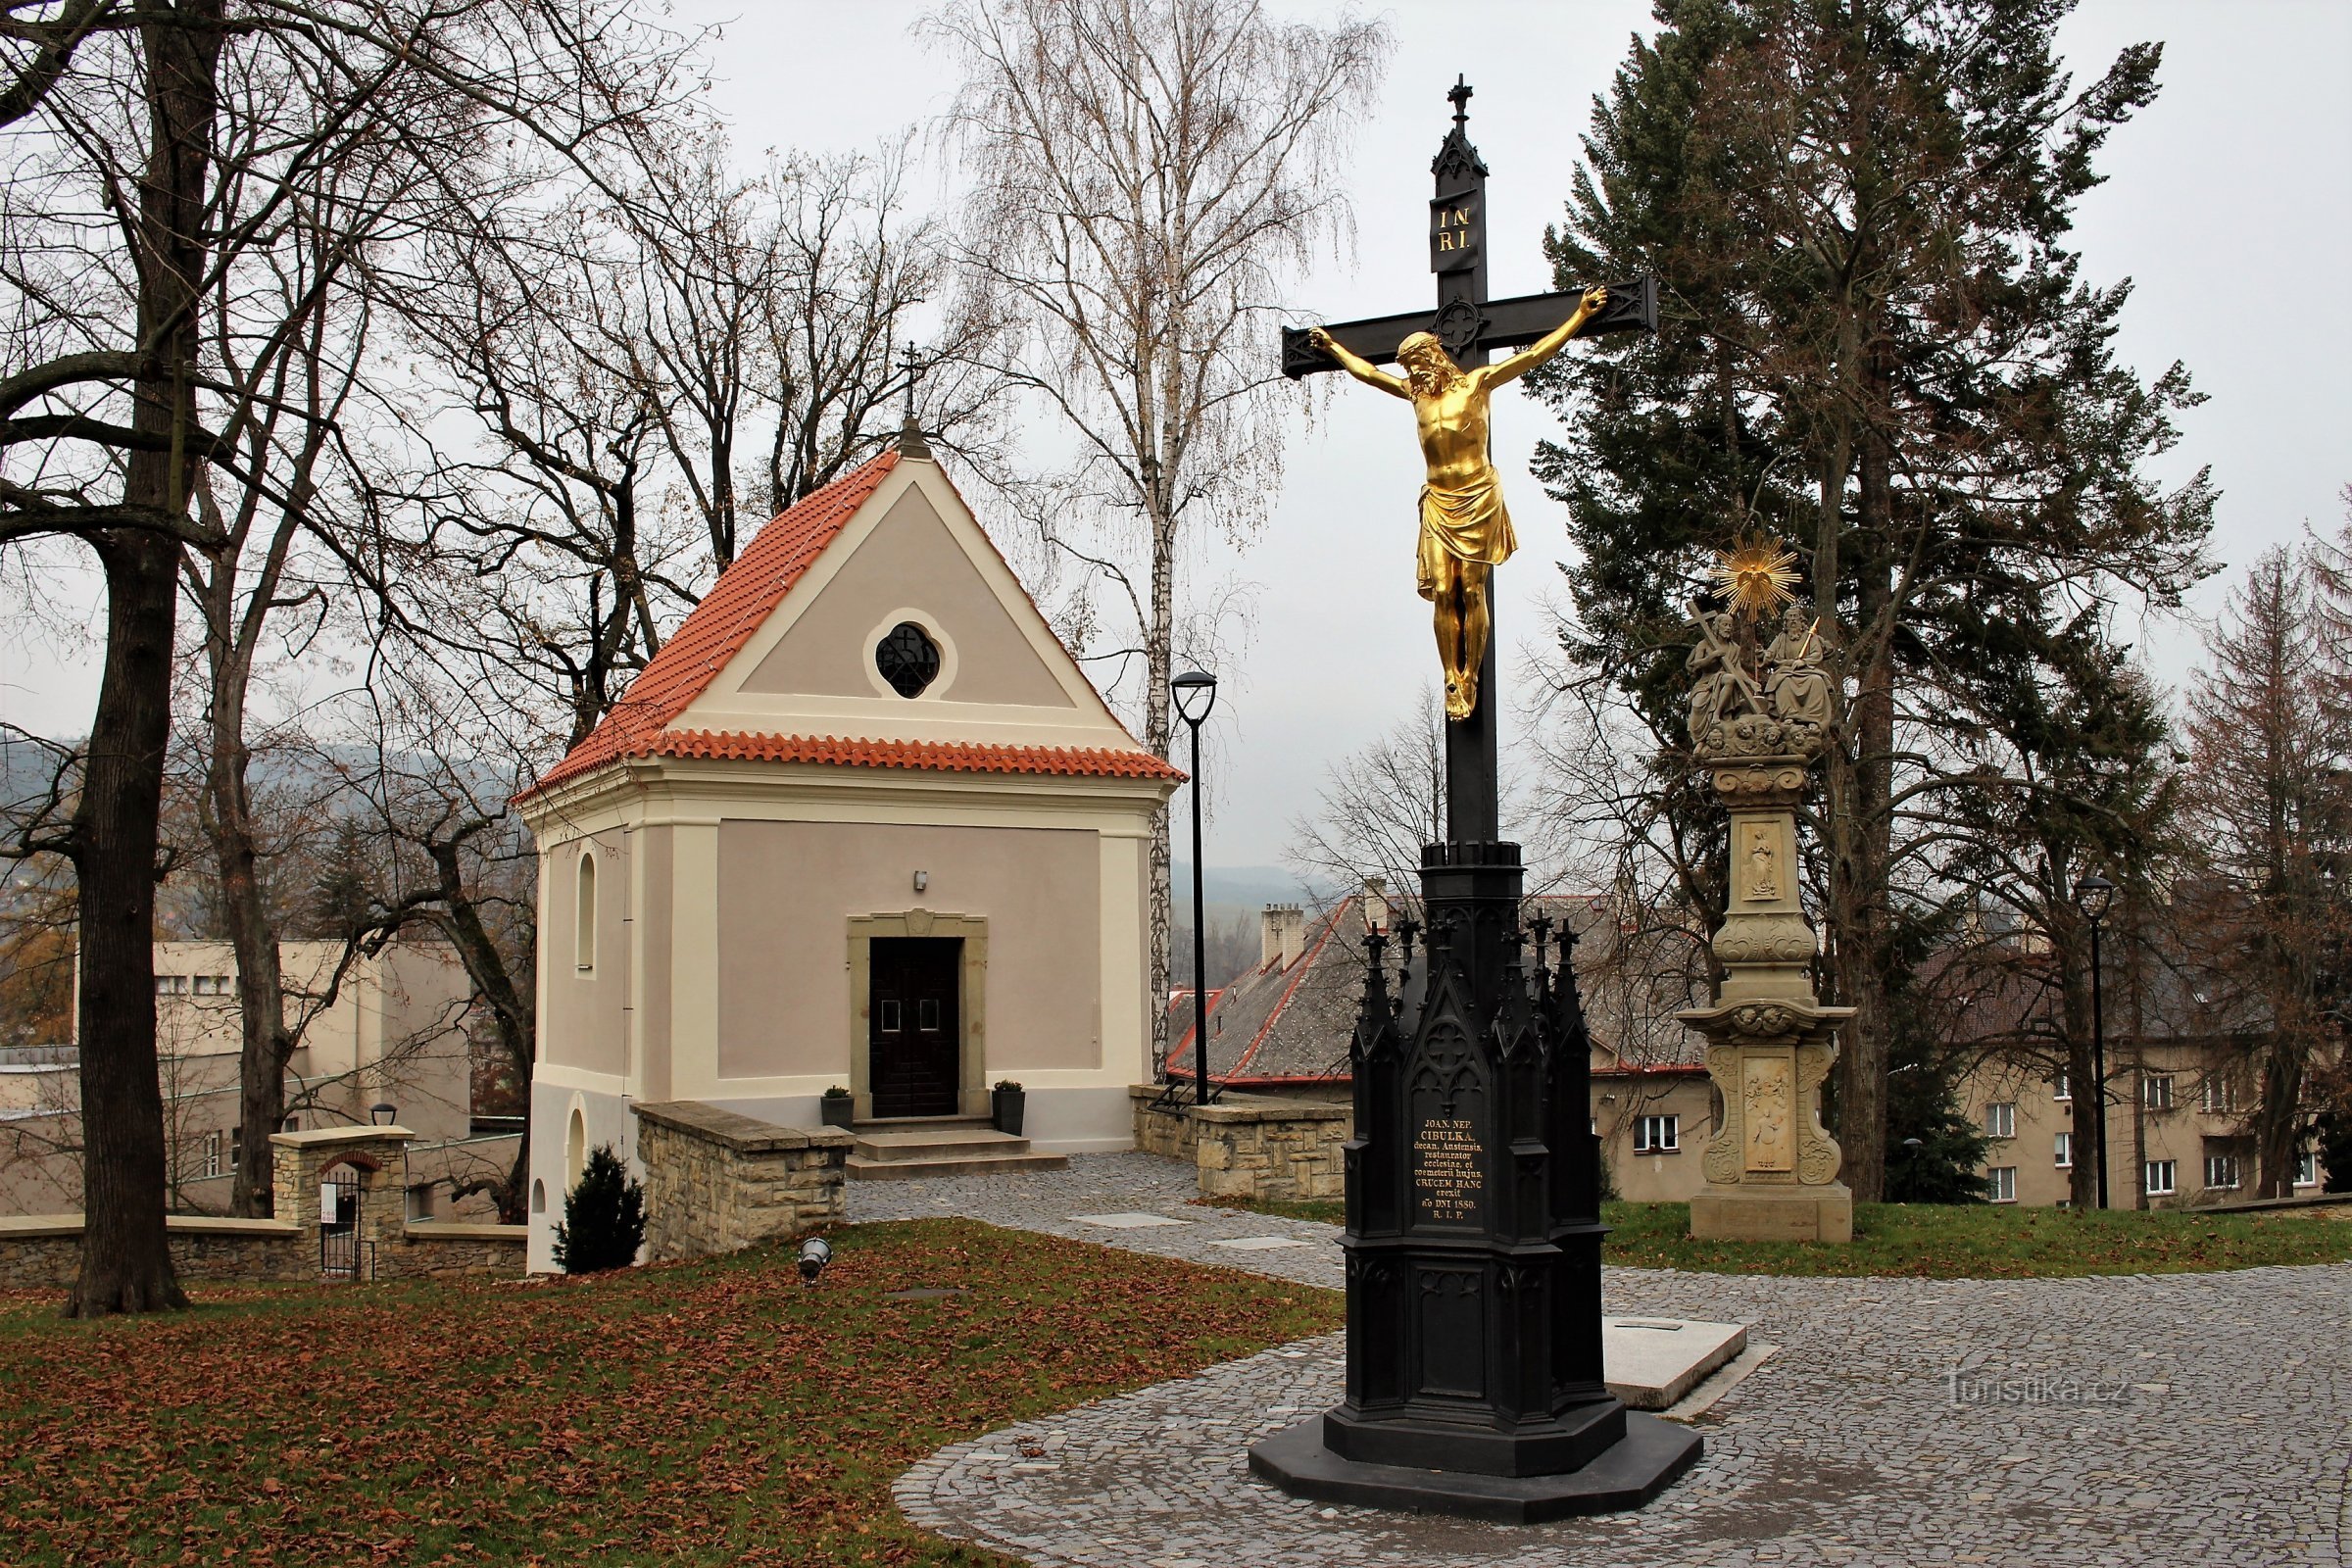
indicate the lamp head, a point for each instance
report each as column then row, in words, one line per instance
column 1195, row 694
column 815, row 1253
column 383, row 1115
column 2094, row 896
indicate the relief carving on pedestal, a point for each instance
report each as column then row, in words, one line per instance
column 1721, row 1162
column 1818, row 1154
column 1760, row 844
column 1768, row 1112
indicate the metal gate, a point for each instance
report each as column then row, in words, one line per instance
column 342, row 1255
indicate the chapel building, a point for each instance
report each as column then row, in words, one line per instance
column 863, row 822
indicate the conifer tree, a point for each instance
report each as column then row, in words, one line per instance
column 1875, row 344
column 604, row 1217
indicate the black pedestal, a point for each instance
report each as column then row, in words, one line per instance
column 1475, row 1383
column 1627, row 1475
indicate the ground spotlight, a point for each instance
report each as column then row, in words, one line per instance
column 815, row 1256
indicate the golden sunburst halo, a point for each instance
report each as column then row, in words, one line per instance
column 1755, row 576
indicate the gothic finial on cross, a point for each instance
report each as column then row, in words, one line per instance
column 1459, row 96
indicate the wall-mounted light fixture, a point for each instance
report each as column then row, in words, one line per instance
column 923, row 880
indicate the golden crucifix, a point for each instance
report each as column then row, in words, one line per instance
column 1465, row 530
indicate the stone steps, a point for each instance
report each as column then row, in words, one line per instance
column 907, row 1150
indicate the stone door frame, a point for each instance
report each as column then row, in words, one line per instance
column 972, row 1045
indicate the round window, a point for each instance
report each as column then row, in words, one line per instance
column 908, row 658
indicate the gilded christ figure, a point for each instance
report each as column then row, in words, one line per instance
column 1465, row 530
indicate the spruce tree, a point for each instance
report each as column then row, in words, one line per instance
column 604, row 1217
column 1875, row 344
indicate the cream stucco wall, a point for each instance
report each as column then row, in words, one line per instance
column 582, row 1021
column 786, row 891
column 1621, row 1100
column 909, row 568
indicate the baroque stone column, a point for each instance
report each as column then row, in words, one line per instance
column 1771, row 1169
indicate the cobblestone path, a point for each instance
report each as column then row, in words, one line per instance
column 2156, row 1420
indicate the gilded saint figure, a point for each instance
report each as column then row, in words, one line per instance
column 1465, row 530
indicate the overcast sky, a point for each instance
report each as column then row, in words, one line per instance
column 2230, row 201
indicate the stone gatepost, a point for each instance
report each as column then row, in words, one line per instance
column 1771, row 1169
column 371, row 1158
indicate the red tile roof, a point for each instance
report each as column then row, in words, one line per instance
column 961, row 756
column 746, row 594
column 743, row 596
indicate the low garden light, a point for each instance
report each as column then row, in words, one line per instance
column 384, row 1113
column 815, row 1253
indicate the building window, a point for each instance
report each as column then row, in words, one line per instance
column 908, row 658
column 2220, row 1170
column 2307, row 1169
column 2060, row 1089
column 2160, row 1177
column 212, row 1155
column 2000, row 1184
column 1658, row 1134
column 2066, row 1150
column 236, row 1146
column 2218, row 1095
column 2156, row 1091
column 2000, row 1121
column 583, row 915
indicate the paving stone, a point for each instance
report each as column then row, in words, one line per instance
column 2172, row 1419
column 1260, row 1244
column 1125, row 1222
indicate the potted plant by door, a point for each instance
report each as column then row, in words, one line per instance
column 1008, row 1103
column 835, row 1107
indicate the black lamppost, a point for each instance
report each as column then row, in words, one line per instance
column 1195, row 694
column 2094, row 895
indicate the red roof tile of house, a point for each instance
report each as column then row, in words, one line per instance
column 962, row 757
column 746, row 594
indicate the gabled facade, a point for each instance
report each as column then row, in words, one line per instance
column 863, row 822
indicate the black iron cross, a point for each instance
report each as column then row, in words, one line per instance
column 1465, row 321
column 1471, row 327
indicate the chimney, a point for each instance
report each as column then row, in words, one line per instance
column 1376, row 903
column 1281, row 934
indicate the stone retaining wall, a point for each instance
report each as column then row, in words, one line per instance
column 1246, row 1146
column 715, row 1181
column 44, row 1251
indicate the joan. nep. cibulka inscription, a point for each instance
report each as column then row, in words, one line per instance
column 1449, row 1180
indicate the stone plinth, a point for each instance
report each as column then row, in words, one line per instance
column 1251, row 1146
column 1771, row 1169
column 715, row 1181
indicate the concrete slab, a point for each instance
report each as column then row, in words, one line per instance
column 1260, row 1244
column 1125, row 1222
column 1653, row 1361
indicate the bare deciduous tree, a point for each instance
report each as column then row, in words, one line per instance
column 1141, row 176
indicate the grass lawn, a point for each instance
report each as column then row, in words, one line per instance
column 1978, row 1241
column 714, row 1413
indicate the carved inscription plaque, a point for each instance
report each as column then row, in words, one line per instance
column 1448, row 1171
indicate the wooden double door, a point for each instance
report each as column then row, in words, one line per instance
column 915, row 1036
